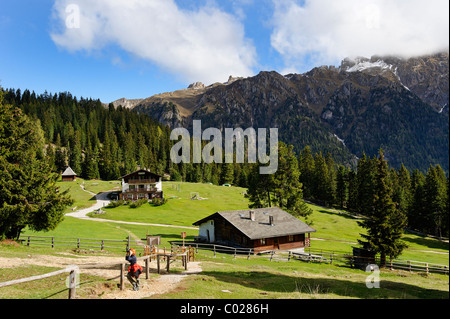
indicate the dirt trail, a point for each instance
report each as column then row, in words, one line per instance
column 161, row 284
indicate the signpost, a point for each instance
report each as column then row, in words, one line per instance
column 183, row 235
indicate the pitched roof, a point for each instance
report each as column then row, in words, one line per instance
column 284, row 224
column 69, row 172
column 141, row 170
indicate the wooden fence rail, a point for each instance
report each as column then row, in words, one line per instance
column 325, row 256
column 79, row 243
column 316, row 255
column 73, row 271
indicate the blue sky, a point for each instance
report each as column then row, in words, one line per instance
column 138, row 48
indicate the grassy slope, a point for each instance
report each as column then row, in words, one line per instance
column 180, row 209
column 257, row 277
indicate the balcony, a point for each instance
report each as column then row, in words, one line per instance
column 142, row 181
column 142, row 190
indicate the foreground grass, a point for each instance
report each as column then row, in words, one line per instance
column 258, row 278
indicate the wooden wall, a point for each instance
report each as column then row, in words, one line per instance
column 227, row 234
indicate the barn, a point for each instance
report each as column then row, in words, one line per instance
column 263, row 228
column 69, row 175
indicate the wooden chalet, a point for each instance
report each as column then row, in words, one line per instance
column 141, row 184
column 69, row 175
column 262, row 229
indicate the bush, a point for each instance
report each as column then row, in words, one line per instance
column 138, row 203
column 159, row 201
column 115, row 204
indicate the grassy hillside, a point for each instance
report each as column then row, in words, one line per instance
column 180, row 209
column 226, row 277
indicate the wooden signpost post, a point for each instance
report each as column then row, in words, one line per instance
column 183, row 235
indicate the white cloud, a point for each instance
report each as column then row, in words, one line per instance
column 205, row 44
column 326, row 31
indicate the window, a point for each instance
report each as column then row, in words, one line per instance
column 291, row 238
column 262, row 241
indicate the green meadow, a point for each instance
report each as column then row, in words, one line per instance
column 223, row 275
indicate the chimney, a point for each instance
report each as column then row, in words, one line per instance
column 252, row 215
column 271, row 220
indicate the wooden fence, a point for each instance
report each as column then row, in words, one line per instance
column 79, row 243
column 73, row 270
column 324, row 256
column 328, row 256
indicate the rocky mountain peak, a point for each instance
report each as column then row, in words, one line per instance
column 196, row 86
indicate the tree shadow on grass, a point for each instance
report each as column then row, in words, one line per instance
column 314, row 287
column 347, row 216
column 427, row 242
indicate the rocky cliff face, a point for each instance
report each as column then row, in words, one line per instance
column 398, row 104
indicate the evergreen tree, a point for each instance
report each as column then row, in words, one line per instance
column 227, row 174
column 385, row 223
column 323, row 188
column 435, row 197
column 75, row 155
column 282, row 189
column 365, row 177
column 342, row 186
column 28, row 194
column 307, row 175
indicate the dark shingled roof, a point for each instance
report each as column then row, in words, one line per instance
column 284, row 224
column 140, row 170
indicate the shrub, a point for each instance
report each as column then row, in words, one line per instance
column 138, row 203
column 115, row 204
column 159, row 201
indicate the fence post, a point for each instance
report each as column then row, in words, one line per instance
column 128, row 243
column 78, row 243
column 72, row 284
column 102, row 245
column 214, row 246
column 122, row 275
column 427, row 268
column 28, row 242
column 235, row 253
column 157, row 262
column 409, row 262
column 147, row 270
column 53, row 242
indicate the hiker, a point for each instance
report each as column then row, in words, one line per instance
column 134, row 271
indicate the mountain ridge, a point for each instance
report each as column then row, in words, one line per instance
column 398, row 104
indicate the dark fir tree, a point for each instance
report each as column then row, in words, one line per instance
column 385, row 223
column 28, row 192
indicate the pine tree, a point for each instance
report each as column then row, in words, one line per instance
column 75, row 155
column 282, row 189
column 342, row 186
column 28, row 193
column 307, row 176
column 385, row 224
column 365, row 176
column 435, row 198
column 227, row 174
